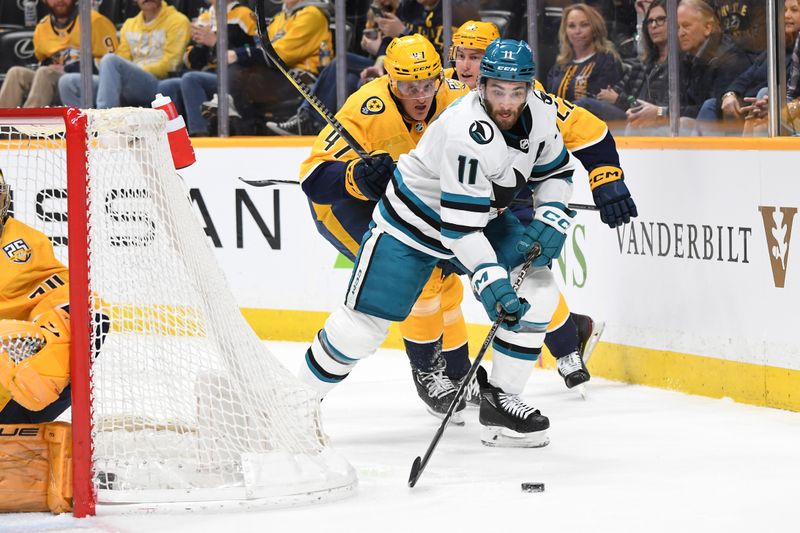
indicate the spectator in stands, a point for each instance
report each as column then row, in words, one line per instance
column 711, row 62
column 757, row 110
column 200, row 83
column 423, row 17
column 745, row 22
column 410, row 16
column 307, row 121
column 749, row 83
column 587, row 60
column 56, row 45
column 151, row 46
column 643, row 93
column 299, row 34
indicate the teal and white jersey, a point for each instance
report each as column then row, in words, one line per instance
column 465, row 169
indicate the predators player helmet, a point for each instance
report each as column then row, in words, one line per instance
column 414, row 67
column 5, row 201
column 473, row 34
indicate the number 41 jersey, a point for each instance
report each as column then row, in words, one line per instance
column 465, row 169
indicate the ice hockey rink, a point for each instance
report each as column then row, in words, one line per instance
column 629, row 458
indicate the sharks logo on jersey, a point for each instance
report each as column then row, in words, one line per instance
column 18, row 251
column 481, row 132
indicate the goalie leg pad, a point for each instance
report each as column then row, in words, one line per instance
column 36, row 461
column 348, row 337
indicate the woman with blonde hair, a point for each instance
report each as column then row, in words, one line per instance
column 587, row 60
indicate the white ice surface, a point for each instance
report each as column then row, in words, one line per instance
column 629, row 459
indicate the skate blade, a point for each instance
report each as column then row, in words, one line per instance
column 581, row 389
column 500, row 437
column 456, row 419
column 591, row 344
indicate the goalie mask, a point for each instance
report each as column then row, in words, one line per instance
column 473, row 34
column 414, row 67
column 5, row 201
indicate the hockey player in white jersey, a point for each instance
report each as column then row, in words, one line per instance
column 448, row 200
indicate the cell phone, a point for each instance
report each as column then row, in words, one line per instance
column 377, row 11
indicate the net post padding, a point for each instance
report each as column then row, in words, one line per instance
column 188, row 407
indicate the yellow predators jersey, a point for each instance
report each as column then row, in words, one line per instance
column 28, row 271
column 61, row 46
column 157, row 46
column 34, row 286
column 297, row 37
column 373, row 118
column 579, row 127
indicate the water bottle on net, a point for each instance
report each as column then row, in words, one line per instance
column 179, row 142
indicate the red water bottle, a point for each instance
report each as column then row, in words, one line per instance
column 179, row 143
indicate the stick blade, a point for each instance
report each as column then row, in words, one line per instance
column 415, row 472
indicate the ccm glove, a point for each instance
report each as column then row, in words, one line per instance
column 367, row 179
column 611, row 196
column 490, row 281
column 549, row 229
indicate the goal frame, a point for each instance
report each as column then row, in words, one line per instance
column 75, row 123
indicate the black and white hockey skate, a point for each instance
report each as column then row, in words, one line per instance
column 438, row 392
column 589, row 332
column 507, row 420
column 572, row 369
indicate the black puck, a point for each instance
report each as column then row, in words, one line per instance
column 533, row 487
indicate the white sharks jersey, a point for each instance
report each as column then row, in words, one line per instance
column 465, row 168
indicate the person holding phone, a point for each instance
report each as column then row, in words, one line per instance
column 641, row 96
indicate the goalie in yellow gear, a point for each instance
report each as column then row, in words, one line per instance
column 35, row 453
column 34, row 323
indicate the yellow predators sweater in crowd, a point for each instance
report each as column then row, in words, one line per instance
column 157, row 46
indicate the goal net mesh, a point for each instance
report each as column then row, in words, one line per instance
column 187, row 402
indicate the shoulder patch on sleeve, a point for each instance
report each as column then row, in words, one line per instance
column 454, row 84
column 18, row 251
column 373, row 106
column 481, row 132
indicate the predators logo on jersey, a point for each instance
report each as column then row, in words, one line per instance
column 373, row 106
column 18, row 251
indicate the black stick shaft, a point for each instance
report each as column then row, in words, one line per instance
column 273, row 57
column 420, row 463
column 271, row 182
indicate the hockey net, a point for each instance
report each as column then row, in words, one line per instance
column 182, row 403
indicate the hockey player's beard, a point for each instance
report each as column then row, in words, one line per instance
column 504, row 119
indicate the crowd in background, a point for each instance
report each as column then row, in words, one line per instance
column 609, row 56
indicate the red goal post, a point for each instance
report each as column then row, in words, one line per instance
column 181, row 406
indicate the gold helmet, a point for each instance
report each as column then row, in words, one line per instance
column 473, row 34
column 5, row 201
column 410, row 60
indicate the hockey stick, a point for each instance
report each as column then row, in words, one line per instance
column 272, row 56
column 268, row 183
column 271, row 182
column 420, row 462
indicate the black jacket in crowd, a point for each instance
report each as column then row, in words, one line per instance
column 643, row 81
column 709, row 73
